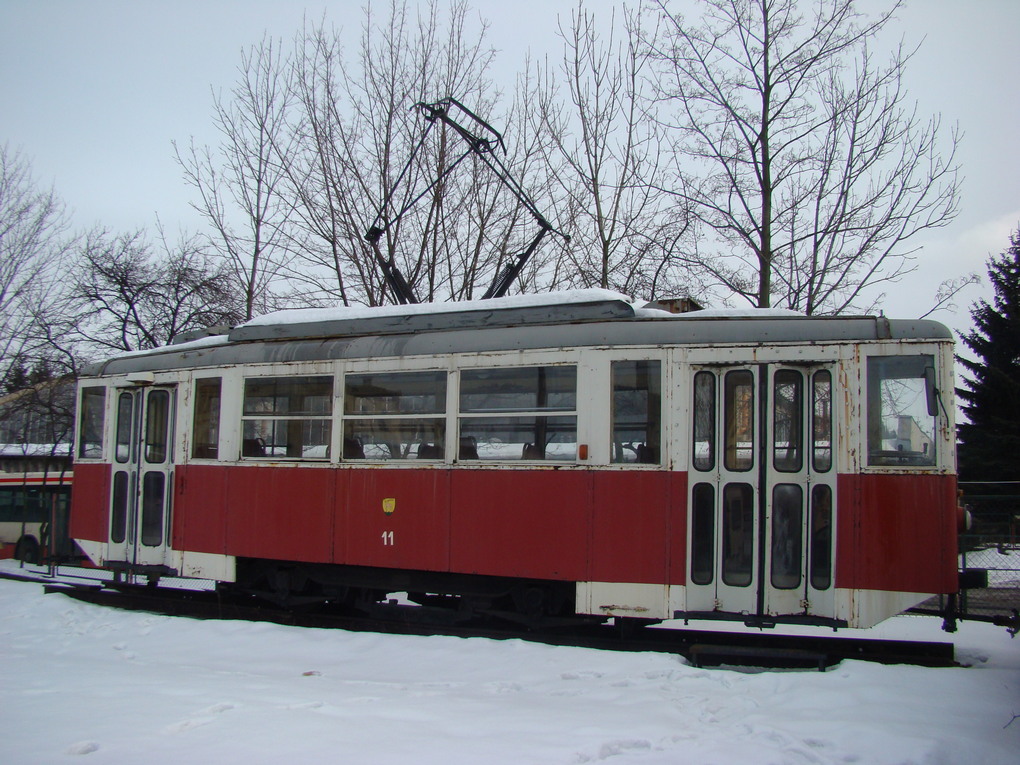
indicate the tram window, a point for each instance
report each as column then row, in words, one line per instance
column 900, row 429
column 787, row 535
column 518, row 389
column 821, row 421
column 504, row 413
column 153, row 496
column 206, row 426
column 125, row 425
column 704, row 421
column 637, row 408
column 739, row 420
column 518, row 438
column 787, row 430
column 702, row 533
column 287, row 417
column 395, row 415
column 820, row 553
column 157, row 426
column 737, row 534
column 90, row 423
column 119, row 507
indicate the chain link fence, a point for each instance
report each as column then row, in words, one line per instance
column 990, row 549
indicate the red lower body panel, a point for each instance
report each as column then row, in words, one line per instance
column 894, row 532
column 897, row 533
column 90, row 502
column 547, row 524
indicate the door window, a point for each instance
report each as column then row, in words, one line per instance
column 703, row 447
column 821, row 421
column 738, row 534
column 787, row 433
column 703, row 533
column 157, row 427
column 739, row 420
column 125, row 425
column 787, row 535
column 820, row 553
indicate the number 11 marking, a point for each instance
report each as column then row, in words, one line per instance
column 387, row 539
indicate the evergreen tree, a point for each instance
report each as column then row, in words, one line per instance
column 990, row 443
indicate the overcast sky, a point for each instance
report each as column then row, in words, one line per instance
column 94, row 92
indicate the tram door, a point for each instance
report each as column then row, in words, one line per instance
column 142, row 476
column 762, row 489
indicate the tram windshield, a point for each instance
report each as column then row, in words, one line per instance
column 901, row 423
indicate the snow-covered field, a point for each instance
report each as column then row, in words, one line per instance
column 121, row 687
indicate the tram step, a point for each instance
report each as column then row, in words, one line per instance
column 710, row 655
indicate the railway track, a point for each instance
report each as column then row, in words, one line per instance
column 700, row 647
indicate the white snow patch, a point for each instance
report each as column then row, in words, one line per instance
column 125, row 687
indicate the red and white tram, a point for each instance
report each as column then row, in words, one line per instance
column 554, row 454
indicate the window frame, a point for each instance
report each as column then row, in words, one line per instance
column 874, row 417
column 274, row 417
column 646, row 454
column 100, row 396
column 353, row 450
column 467, row 443
column 211, row 423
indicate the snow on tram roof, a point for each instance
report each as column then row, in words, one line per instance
column 358, row 313
column 547, row 308
column 558, row 319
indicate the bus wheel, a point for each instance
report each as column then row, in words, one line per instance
column 27, row 550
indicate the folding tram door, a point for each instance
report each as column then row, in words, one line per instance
column 140, row 498
column 761, row 480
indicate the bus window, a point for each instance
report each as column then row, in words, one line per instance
column 90, row 423
column 637, row 411
column 900, row 429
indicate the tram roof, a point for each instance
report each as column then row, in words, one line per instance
column 579, row 318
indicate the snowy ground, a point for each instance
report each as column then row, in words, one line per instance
column 121, row 687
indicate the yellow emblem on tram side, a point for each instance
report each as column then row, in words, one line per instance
column 389, row 505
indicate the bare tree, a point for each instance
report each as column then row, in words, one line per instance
column 33, row 243
column 240, row 184
column 128, row 296
column 608, row 159
column 798, row 152
column 356, row 132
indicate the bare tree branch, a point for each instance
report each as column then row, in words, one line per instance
column 798, row 153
